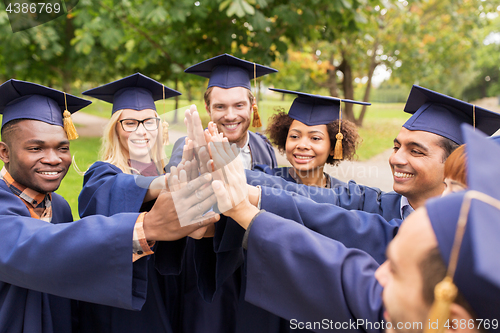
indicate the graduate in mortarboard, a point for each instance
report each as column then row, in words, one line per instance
column 46, row 261
column 311, row 135
column 420, row 150
column 132, row 148
column 442, row 273
column 230, row 103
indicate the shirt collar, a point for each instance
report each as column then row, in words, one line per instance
column 32, row 197
column 246, row 147
column 404, row 203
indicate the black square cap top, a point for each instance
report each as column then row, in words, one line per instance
column 477, row 274
column 227, row 71
column 441, row 114
column 136, row 92
column 315, row 109
column 27, row 100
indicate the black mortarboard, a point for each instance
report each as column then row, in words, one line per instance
column 315, row 109
column 440, row 114
column 226, row 71
column 27, row 100
column 136, row 92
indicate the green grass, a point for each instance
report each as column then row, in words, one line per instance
column 381, row 126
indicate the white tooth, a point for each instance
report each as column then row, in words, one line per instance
column 403, row 175
column 231, row 126
column 303, row 157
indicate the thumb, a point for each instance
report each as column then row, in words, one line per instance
column 221, row 194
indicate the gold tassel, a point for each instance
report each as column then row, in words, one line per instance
column 256, row 116
column 337, row 153
column 68, row 125
column 165, row 133
column 445, row 293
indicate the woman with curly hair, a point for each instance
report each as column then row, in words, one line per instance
column 312, row 134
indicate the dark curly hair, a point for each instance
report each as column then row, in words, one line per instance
column 279, row 125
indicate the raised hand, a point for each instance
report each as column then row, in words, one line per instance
column 229, row 169
column 180, row 213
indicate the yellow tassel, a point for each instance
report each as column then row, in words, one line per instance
column 69, row 127
column 337, row 153
column 256, row 116
column 165, row 133
column 445, row 293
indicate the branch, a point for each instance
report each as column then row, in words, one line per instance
column 145, row 35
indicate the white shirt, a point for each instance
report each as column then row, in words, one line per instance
column 246, row 155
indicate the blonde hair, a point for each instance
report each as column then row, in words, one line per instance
column 112, row 151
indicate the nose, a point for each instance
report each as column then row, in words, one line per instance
column 230, row 115
column 381, row 274
column 141, row 130
column 303, row 143
column 51, row 157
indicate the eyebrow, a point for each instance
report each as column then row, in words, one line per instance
column 41, row 142
column 310, row 132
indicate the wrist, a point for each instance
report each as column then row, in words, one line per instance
column 243, row 213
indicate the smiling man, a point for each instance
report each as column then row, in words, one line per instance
column 422, row 146
column 229, row 103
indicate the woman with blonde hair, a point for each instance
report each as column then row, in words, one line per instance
column 122, row 181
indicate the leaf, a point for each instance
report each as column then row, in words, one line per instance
column 248, row 8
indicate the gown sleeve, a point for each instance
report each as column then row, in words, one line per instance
column 303, row 276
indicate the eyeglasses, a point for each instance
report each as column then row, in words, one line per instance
column 131, row 125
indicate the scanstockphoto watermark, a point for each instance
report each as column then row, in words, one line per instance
column 358, row 324
column 26, row 14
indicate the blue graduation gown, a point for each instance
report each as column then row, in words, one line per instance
column 348, row 196
column 355, row 229
column 261, row 149
column 302, row 275
column 44, row 265
column 284, row 173
column 173, row 302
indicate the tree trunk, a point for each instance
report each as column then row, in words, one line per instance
column 67, row 74
column 366, row 97
column 348, row 88
column 331, row 83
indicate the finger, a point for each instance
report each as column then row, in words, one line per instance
column 219, row 154
column 222, row 196
column 204, row 158
column 189, row 123
column 211, row 219
column 196, row 197
column 195, row 213
column 194, row 185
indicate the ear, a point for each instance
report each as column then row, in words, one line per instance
column 460, row 320
column 4, row 152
